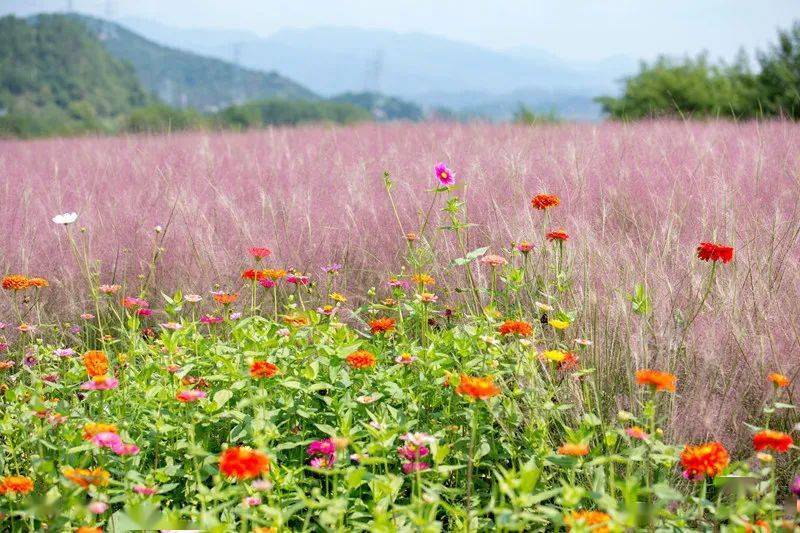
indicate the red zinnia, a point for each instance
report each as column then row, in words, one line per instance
column 775, row 440
column 382, row 325
column 545, row 201
column 708, row 459
column 515, row 327
column 259, row 252
column 709, row 251
column 255, row 275
column 558, row 235
column 243, row 463
column 263, row 369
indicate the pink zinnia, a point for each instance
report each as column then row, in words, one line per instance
column 144, row 312
column 190, row 395
column 125, row 449
column 493, row 260
column 208, row 319
column 110, row 289
column 143, row 490
column 297, row 279
column 267, row 283
column 107, row 439
column 100, row 383
column 410, row 468
column 444, row 174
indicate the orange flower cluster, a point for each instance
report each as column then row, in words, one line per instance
column 96, row 363
column 90, row 429
column 18, row 282
column 85, row 477
column 708, row 459
column 545, row 201
column 274, row 273
column 574, row 450
column 515, row 327
column 297, row 320
column 591, row 520
column 263, row 369
column 709, row 251
column 225, row 298
column 243, row 463
column 361, row 359
column 477, row 388
column 16, row 485
column 423, row 279
column 558, row 235
column 774, row 440
column 382, row 325
column 656, row 379
column 779, row 380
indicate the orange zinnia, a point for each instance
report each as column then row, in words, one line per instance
column 770, row 439
column 479, row 388
column 16, row 484
column 84, row 477
column 361, row 359
column 545, row 201
column 709, row 251
column 15, row 282
column 263, row 369
column 275, row 274
column 423, row 279
column 243, row 463
column 225, row 298
column 778, row 379
column 515, row 327
column 382, row 325
column 96, row 363
column 90, row 429
column 89, row 529
column 38, row 283
column 708, row 459
column 593, row 519
column 656, row 379
column 573, row 449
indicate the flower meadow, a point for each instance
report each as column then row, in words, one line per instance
column 403, row 327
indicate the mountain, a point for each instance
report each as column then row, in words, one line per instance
column 186, row 79
column 412, row 66
column 55, row 77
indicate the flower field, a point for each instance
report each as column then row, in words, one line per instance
column 403, row 327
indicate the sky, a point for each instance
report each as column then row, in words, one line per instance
column 571, row 29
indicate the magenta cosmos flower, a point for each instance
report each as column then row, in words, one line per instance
column 444, row 174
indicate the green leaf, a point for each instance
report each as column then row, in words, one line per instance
column 221, row 397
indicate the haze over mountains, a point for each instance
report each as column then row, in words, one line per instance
column 429, row 70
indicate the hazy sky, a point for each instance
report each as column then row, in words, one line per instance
column 574, row 29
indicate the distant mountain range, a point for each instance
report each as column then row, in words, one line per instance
column 186, row 79
column 429, row 70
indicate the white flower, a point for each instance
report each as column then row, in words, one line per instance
column 66, row 218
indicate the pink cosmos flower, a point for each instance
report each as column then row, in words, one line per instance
column 100, row 383
column 444, row 175
column 144, row 490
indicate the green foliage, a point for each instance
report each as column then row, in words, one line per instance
column 163, row 118
column 56, row 79
column 696, row 88
column 382, row 107
column 528, row 117
column 278, row 111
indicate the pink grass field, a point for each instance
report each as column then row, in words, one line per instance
column 636, row 201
